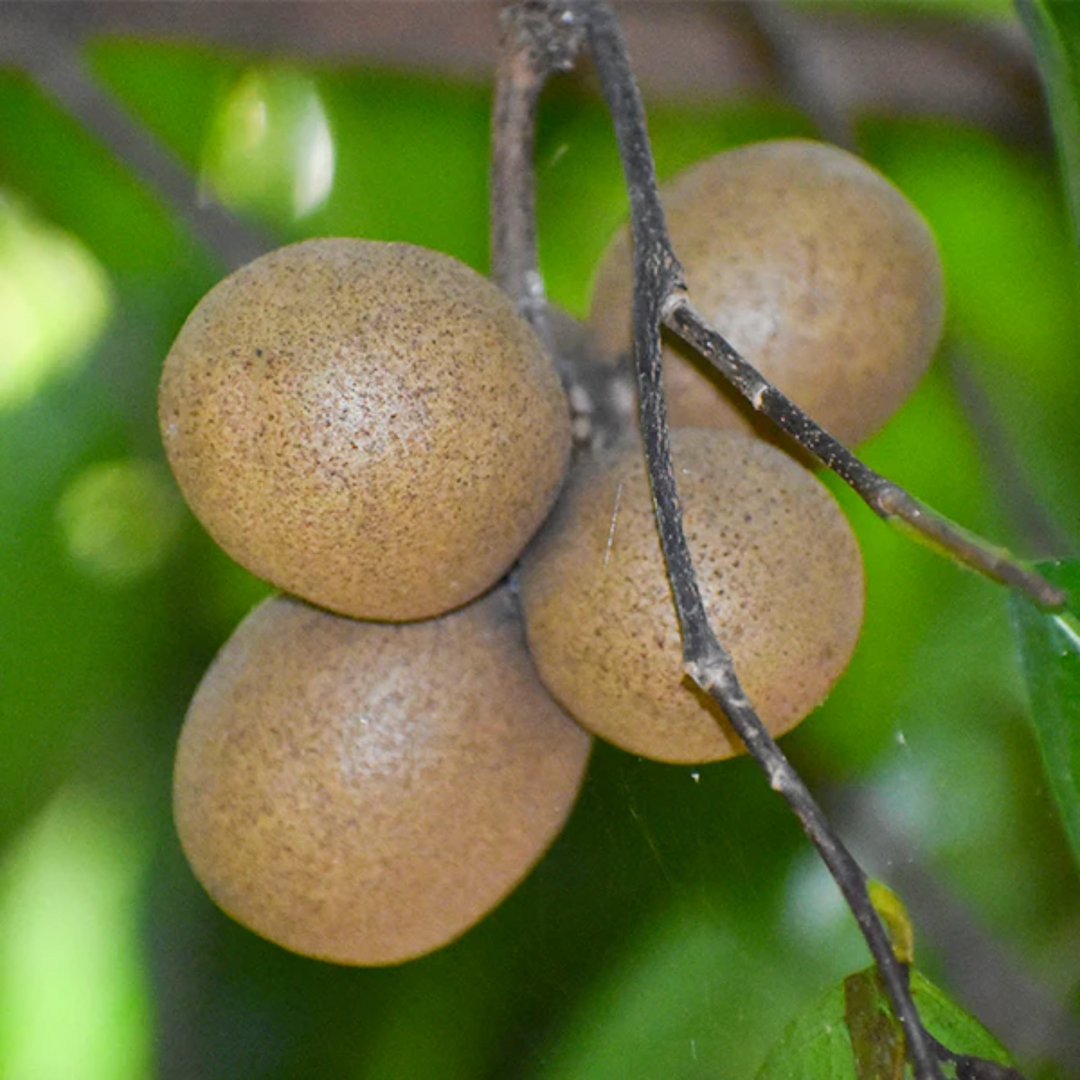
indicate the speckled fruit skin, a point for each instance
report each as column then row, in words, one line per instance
column 362, row 792
column 369, row 426
column 779, row 570
column 812, row 265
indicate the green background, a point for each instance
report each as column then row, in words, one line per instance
column 680, row 922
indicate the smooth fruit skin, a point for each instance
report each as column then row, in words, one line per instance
column 369, row 426
column 779, row 571
column 363, row 793
column 815, row 268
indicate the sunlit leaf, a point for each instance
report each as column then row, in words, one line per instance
column 1050, row 652
column 54, row 300
column 270, row 149
column 74, row 993
column 890, row 909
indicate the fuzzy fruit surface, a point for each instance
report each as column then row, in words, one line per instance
column 363, row 792
column 812, row 265
column 369, row 426
column 779, row 570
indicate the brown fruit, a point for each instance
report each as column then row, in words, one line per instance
column 812, row 265
column 779, row 571
column 369, row 426
column 363, row 793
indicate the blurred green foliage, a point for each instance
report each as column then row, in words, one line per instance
column 679, row 924
column 1050, row 653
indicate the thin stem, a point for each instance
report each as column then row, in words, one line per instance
column 538, row 38
column 886, row 498
column 658, row 288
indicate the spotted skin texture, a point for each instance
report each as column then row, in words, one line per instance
column 363, row 793
column 369, row 426
column 779, row 570
column 813, row 265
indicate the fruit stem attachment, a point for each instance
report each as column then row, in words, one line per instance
column 887, row 499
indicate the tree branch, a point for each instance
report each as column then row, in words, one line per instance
column 537, row 39
column 658, row 290
column 887, row 499
column 532, row 30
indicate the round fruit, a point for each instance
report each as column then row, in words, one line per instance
column 779, row 571
column 363, row 792
column 812, row 265
column 369, row 426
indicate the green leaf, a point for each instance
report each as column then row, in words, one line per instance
column 1054, row 29
column 1050, row 655
column 851, row 1035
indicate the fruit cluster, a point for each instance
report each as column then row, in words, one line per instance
column 380, row 753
